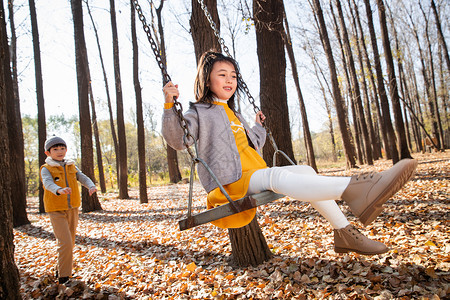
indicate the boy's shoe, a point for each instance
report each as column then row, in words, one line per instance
column 62, row 280
column 366, row 193
column 349, row 239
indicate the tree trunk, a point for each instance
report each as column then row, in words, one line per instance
column 440, row 137
column 426, row 80
column 306, row 132
column 111, row 115
column 441, row 35
column 391, row 149
column 350, row 91
column 244, row 252
column 98, row 148
column 317, row 69
column 338, row 102
column 367, row 111
column 268, row 17
column 139, row 114
column 89, row 203
column 443, row 92
column 377, row 147
column 401, row 79
column 42, row 131
column 9, row 274
column 355, row 86
column 122, row 140
column 202, row 33
column 172, row 156
column 395, row 99
column 244, row 241
column 16, row 146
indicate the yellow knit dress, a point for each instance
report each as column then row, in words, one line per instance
column 251, row 161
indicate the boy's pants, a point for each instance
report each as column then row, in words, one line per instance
column 64, row 227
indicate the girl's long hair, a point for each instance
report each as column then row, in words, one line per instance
column 201, row 89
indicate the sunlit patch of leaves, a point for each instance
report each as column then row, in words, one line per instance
column 135, row 251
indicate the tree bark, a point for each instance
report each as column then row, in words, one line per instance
column 268, row 17
column 202, row 33
column 306, row 132
column 122, row 139
column 9, row 274
column 391, row 148
column 139, row 114
column 108, row 97
column 244, row 251
column 244, row 241
column 338, row 102
column 89, row 203
column 42, row 131
column 16, row 146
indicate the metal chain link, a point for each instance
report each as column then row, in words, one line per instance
column 227, row 51
column 166, row 78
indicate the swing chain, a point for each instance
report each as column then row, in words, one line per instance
column 166, row 78
column 227, row 51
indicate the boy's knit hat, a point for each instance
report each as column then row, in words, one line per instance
column 54, row 140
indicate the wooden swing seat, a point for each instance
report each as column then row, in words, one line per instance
column 226, row 210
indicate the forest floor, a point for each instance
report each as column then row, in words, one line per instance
column 136, row 251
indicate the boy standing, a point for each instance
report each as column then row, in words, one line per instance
column 62, row 199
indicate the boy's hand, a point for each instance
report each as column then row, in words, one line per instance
column 65, row 191
column 92, row 190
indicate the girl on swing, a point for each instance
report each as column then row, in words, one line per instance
column 230, row 147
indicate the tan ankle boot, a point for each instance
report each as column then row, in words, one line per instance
column 349, row 239
column 366, row 194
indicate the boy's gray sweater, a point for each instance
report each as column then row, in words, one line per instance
column 47, row 179
column 210, row 126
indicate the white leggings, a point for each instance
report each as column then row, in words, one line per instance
column 303, row 183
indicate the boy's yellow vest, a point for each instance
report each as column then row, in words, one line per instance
column 53, row 202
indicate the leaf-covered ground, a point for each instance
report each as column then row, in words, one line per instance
column 135, row 251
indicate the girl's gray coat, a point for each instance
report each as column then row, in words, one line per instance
column 210, row 126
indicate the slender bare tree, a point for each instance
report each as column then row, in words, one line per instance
column 306, row 132
column 89, row 202
column 391, row 148
column 122, row 139
column 355, row 87
column 172, row 157
column 139, row 114
column 9, row 274
column 42, row 128
column 108, row 97
column 337, row 96
column 16, row 143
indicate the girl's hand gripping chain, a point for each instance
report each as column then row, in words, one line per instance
column 170, row 91
column 260, row 117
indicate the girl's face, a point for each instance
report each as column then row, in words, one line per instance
column 223, row 80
